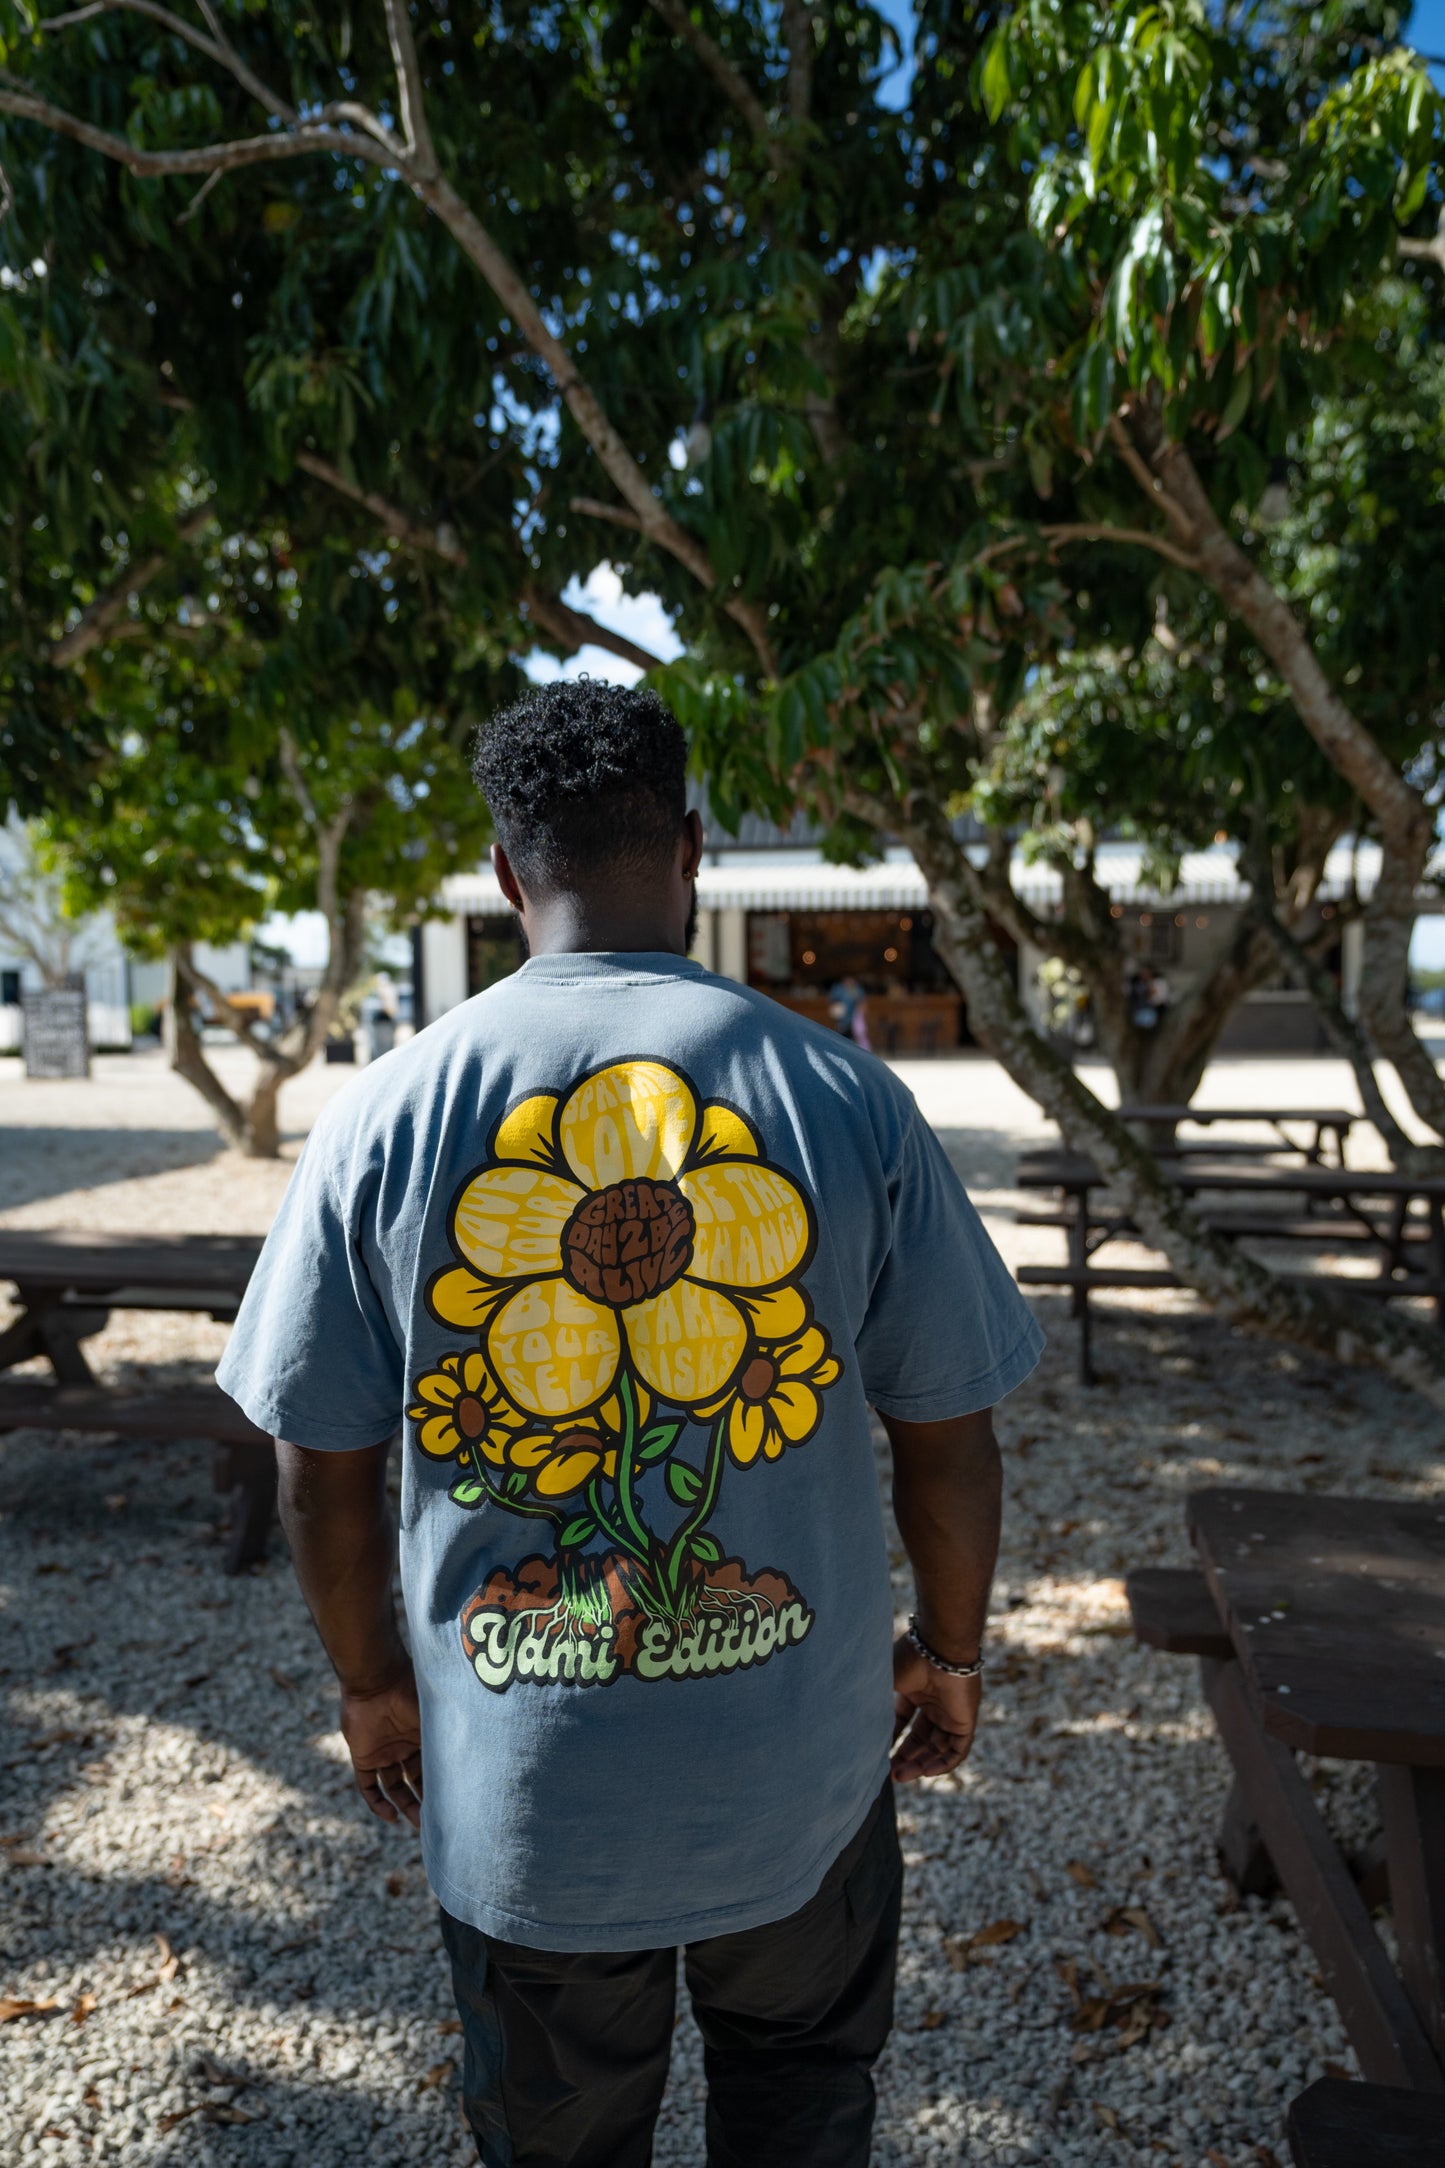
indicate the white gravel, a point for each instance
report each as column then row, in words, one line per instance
column 182, row 1843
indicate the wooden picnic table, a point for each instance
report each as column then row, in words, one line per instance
column 1328, row 1124
column 1401, row 1215
column 66, row 1286
column 1320, row 1626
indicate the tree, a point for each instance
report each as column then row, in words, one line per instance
column 34, row 919
column 892, row 408
column 301, row 762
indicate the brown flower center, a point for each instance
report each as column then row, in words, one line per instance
column 628, row 1241
column 758, row 1380
column 470, row 1416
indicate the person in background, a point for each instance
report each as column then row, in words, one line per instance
column 629, row 1251
column 848, row 1008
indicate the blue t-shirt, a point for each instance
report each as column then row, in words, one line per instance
column 631, row 1249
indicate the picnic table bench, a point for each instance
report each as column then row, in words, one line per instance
column 1337, row 2124
column 1401, row 1215
column 1320, row 1627
column 66, row 1287
column 1328, row 1126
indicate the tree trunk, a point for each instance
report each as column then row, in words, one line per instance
column 1326, row 1320
column 253, row 1128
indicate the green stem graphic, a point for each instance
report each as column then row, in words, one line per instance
column 706, row 1500
column 608, row 1526
column 626, row 1448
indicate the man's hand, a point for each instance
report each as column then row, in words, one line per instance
column 383, row 1732
column 934, row 1716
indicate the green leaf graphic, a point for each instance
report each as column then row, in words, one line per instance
column 577, row 1531
column 684, row 1483
column 705, row 1549
column 467, row 1492
column 658, row 1441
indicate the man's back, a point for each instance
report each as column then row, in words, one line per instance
column 634, row 1248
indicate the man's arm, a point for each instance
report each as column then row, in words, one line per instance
column 947, row 1496
column 338, row 1523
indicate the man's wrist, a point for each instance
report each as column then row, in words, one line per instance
column 360, row 1682
column 954, row 1645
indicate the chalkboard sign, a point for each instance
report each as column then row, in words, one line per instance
column 56, row 1043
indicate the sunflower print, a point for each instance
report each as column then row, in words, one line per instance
column 625, row 1222
column 778, row 1400
column 461, row 1411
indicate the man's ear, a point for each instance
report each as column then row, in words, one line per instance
column 692, row 845
column 506, row 879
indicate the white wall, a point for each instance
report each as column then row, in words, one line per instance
column 730, row 953
column 443, row 965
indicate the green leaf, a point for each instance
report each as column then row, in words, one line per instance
column 995, row 82
column 577, row 1531
column 516, row 1483
column 704, row 1548
column 657, row 1442
column 468, row 1492
column 1237, row 405
column 684, row 1483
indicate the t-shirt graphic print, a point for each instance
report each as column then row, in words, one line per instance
column 626, row 1252
column 626, row 1273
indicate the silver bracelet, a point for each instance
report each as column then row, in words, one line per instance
column 931, row 1656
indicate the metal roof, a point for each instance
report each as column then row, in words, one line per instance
column 800, row 880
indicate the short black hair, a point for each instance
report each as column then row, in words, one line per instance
column 583, row 778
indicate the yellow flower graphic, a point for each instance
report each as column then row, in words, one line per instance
column 624, row 1219
column 461, row 1410
column 561, row 1462
column 778, row 1402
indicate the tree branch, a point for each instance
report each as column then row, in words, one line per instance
column 217, row 47
column 798, row 35
column 397, row 523
column 594, row 508
column 1150, row 483
column 574, row 629
column 299, row 142
column 412, row 98
column 417, row 167
column 1431, row 251
column 730, row 82
column 1102, row 531
column 100, row 618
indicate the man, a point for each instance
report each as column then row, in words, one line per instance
column 632, row 1249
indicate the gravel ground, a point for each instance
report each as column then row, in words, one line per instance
column 238, row 1965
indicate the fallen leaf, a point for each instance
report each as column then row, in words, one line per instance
column 1220, row 2160
column 437, row 2075
column 1131, row 1920
column 395, row 1884
column 13, row 2006
column 1081, row 1874
column 1265, row 2157
column 84, row 2005
column 21, row 1855
column 285, row 1681
column 1337, row 2070
column 450, row 2025
column 962, row 1950
column 177, row 2115
column 1104, row 2117
column 930, row 2021
column 90, row 2098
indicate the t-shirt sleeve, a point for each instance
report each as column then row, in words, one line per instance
column 947, row 1332
column 313, row 1357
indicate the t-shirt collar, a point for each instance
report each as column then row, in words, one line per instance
column 610, row 966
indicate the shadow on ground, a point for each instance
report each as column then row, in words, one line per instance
column 48, row 1162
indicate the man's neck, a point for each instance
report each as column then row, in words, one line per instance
column 571, row 925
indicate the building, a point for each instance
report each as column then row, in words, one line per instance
column 774, row 915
